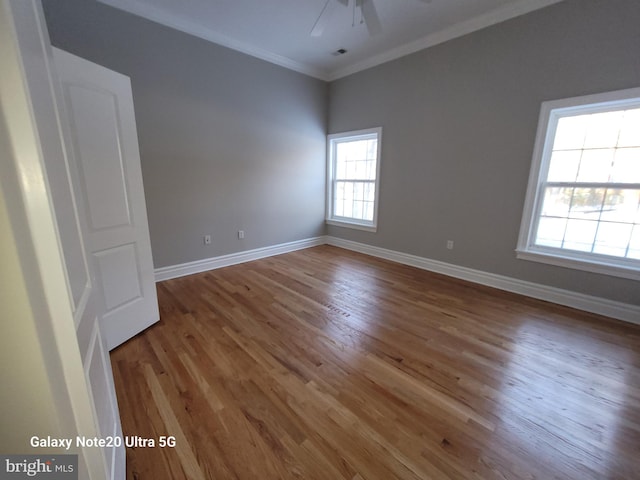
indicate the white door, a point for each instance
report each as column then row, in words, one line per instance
column 103, row 141
column 50, row 178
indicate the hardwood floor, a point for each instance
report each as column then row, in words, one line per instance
column 328, row 364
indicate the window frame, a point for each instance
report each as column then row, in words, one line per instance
column 550, row 113
column 332, row 141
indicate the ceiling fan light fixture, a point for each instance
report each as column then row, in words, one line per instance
column 364, row 9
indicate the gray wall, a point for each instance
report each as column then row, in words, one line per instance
column 459, row 123
column 227, row 141
column 230, row 142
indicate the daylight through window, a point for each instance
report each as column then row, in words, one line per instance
column 587, row 198
column 354, row 162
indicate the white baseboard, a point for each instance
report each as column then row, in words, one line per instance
column 174, row 271
column 602, row 306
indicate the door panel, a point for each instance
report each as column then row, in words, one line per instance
column 97, row 370
column 99, row 385
column 103, row 137
column 119, row 261
column 97, row 145
column 97, row 373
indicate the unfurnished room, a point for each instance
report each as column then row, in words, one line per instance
column 320, row 239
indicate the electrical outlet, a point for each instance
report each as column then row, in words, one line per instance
column 449, row 244
column 240, row 234
column 207, row 239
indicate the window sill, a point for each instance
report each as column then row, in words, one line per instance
column 593, row 265
column 354, row 225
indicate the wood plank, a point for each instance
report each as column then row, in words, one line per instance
column 328, row 364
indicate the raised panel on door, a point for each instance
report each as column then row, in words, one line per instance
column 97, row 144
column 121, row 261
column 98, row 374
column 99, row 104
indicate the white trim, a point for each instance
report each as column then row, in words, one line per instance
column 551, row 257
column 550, row 112
column 332, row 140
column 34, row 144
column 354, row 225
column 460, row 29
column 163, row 17
column 602, row 306
column 198, row 266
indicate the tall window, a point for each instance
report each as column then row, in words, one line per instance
column 353, row 172
column 583, row 203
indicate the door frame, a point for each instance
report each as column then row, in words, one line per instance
column 33, row 133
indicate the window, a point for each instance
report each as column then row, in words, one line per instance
column 353, row 173
column 583, row 202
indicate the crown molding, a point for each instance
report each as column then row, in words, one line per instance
column 498, row 15
column 176, row 22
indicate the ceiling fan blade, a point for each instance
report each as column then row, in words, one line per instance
column 370, row 16
column 323, row 19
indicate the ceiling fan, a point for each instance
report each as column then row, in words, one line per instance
column 364, row 10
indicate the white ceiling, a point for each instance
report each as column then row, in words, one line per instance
column 279, row 30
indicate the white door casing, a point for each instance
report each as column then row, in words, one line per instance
column 60, row 276
column 62, row 270
column 103, row 140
